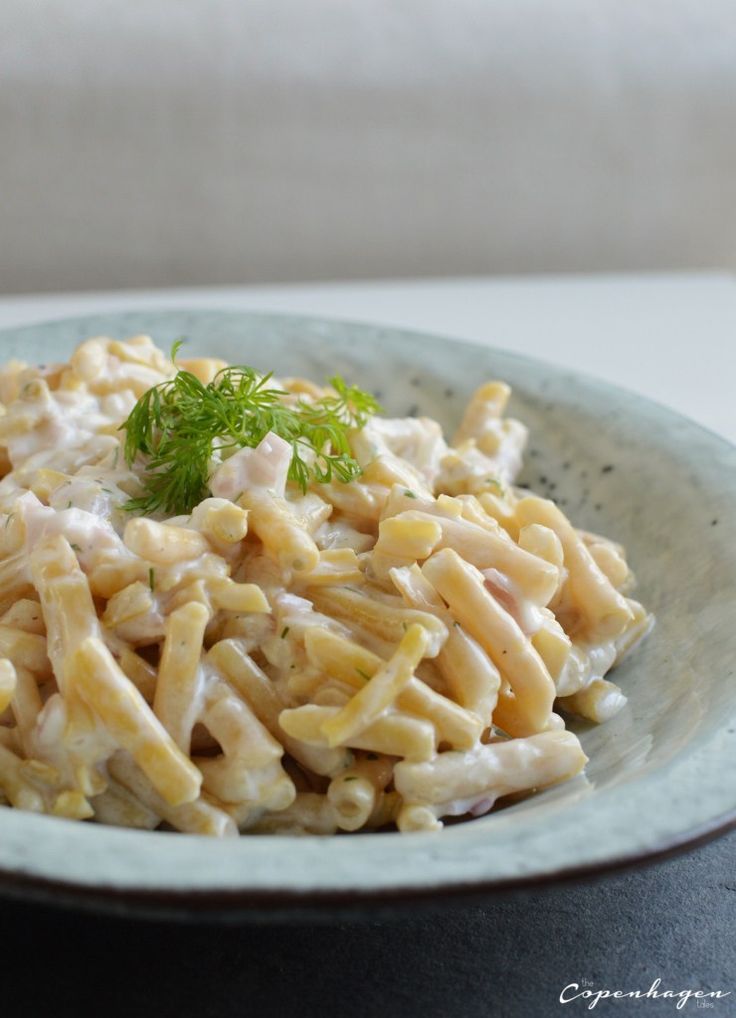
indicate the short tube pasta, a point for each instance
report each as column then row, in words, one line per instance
column 180, row 682
column 604, row 611
column 461, row 585
column 353, row 799
column 493, row 770
column 243, row 604
column 8, row 683
column 395, row 734
column 131, row 723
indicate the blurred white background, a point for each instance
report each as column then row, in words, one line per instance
column 177, row 142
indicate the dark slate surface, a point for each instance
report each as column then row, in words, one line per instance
column 509, row 956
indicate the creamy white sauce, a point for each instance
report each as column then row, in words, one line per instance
column 90, row 534
column 339, row 534
column 584, row 664
column 526, row 614
column 416, row 440
column 266, row 468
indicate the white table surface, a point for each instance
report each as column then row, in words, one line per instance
column 669, row 337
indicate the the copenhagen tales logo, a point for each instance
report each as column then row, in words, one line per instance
column 584, row 990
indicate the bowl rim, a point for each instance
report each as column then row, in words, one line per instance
column 276, row 906
column 230, row 900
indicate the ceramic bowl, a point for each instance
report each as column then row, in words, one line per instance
column 661, row 775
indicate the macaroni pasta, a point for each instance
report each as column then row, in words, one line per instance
column 387, row 649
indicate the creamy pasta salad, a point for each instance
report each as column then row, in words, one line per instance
column 231, row 602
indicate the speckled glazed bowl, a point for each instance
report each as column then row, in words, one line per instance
column 661, row 775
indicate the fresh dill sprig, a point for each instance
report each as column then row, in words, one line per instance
column 178, row 424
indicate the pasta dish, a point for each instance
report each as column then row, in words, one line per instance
column 235, row 603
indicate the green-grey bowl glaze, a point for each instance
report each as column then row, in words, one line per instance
column 661, row 775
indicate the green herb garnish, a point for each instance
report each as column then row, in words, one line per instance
column 151, row 578
column 284, row 632
column 409, row 494
column 179, row 423
column 75, row 546
column 363, row 675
